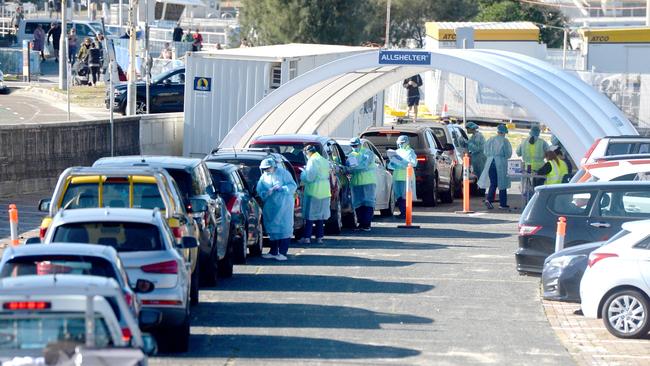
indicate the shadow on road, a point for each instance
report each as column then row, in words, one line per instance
column 316, row 283
column 265, row 315
column 333, row 261
column 459, row 220
column 434, row 233
column 285, row 347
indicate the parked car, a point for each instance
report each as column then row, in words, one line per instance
column 148, row 250
column 291, row 147
column 434, row 171
column 83, row 28
column 166, row 94
column 616, row 287
column 201, row 198
column 56, row 305
column 616, row 145
column 616, row 170
column 593, row 211
column 79, row 259
column 384, row 200
column 249, row 161
column 245, row 212
column 563, row 271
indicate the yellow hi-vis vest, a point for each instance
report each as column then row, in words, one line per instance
column 366, row 176
column 536, row 161
column 320, row 187
column 558, row 171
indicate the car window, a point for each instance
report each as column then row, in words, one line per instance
column 625, row 204
column 147, row 195
column 644, row 148
column 622, row 178
column 203, row 174
column 378, row 160
column 431, row 140
column 335, row 156
column 243, row 182
column 643, row 244
column 58, row 264
column 84, row 30
column 30, row 26
column 178, row 78
column 459, row 141
column 123, row 236
column 573, row 204
column 186, row 182
column 84, row 195
column 619, row 148
column 116, row 194
column 388, row 139
column 440, row 134
column 238, row 183
column 293, row 152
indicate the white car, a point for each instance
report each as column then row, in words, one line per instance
column 616, row 284
column 53, row 312
column 619, row 170
column 147, row 248
column 616, row 145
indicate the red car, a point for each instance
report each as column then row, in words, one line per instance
column 291, row 147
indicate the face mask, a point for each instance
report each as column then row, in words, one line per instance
column 356, row 148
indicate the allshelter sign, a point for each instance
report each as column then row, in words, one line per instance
column 404, row 58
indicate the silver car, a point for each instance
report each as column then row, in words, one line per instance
column 147, row 247
column 384, row 200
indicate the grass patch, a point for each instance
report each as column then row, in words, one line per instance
column 85, row 96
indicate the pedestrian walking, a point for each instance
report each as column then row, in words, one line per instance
column 532, row 152
column 555, row 169
column 72, row 46
column 412, row 86
column 94, row 62
column 54, row 38
column 475, row 147
column 316, row 199
column 178, row 33
column 84, row 50
column 404, row 155
column 39, row 41
column 361, row 163
column 276, row 187
column 495, row 174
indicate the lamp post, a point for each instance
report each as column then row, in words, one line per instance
column 387, row 43
column 63, row 48
column 131, row 88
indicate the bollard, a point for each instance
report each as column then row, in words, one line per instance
column 13, row 224
column 466, row 195
column 561, row 233
column 410, row 175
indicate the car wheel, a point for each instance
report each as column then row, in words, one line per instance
column 194, row 285
column 256, row 250
column 388, row 212
column 625, row 314
column 448, row 196
column 226, row 263
column 430, row 198
column 140, row 107
column 334, row 224
column 458, row 191
column 241, row 249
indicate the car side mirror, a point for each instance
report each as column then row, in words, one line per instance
column 188, row 242
column 448, row 147
column 149, row 318
column 44, row 205
column 198, row 205
column 167, row 82
column 143, row 286
column 34, row 240
column 149, row 344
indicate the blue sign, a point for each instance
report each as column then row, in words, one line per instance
column 202, row 84
column 404, row 58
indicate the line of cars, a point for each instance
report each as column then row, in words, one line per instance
column 606, row 261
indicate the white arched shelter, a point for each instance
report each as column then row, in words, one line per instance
column 319, row 100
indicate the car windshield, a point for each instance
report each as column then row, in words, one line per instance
column 388, row 140
column 185, row 182
column 123, row 236
column 291, row 151
column 115, row 193
column 39, row 330
column 439, row 132
column 58, row 264
column 250, row 169
column 83, row 195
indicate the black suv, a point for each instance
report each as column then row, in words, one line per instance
column 593, row 211
column 166, row 93
column 206, row 206
column 433, row 174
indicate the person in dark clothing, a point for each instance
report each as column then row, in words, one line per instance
column 412, row 86
column 178, row 33
column 94, row 62
column 54, row 36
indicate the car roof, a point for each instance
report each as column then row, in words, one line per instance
column 221, row 166
column 623, row 157
column 412, row 127
column 636, row 225
column 172, row 162
column 245, row 155
column 108, row 214
column 627, row 137
column 592, row 185
column 301, row 138
column 66, row 284
column 90, row 250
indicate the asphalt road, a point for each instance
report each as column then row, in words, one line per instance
column 20, row 107
column 444, row 294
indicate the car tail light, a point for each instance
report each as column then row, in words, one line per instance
column 117, row 180
column 41, row 232
column 126, row 335
column 26, row 305
column 297, row 201
column 162, row 302
column 597, row 257
column 422, row 159
column 527, row 230
column 178, row 232
column 129, row 299
column 169, row 267
column 234, row 205
column 591, row 149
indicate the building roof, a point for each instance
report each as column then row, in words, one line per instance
column 616, row 35
column 282, row 51
column 485, row 31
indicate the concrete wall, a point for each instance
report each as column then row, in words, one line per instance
column 33, row 155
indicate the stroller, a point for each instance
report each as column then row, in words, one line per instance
column 81, row 73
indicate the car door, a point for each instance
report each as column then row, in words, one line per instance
column 383, row 184
column 443, row 161
column 576, row 207
column 168, row 95
column 641, row 251
column 615, row 207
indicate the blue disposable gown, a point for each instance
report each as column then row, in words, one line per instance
column 475, row 146
column 499, row 150
column 316, row 207
column 398, row 166
column 364, row 194
column 278, row 205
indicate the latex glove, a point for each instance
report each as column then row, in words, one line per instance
column 276, row 188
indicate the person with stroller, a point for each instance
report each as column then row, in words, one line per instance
column 94, row 62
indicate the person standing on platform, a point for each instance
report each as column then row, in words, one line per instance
column 412, row 86
column 317, row 194
column 276, row 187
column 361, row 163
column 495, row 174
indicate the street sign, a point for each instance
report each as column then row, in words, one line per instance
column 404, row 58
column 202, row 84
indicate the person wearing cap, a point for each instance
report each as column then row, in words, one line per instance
column 276, row 187
column 532, row 152
column 475, row 147
column 316, row 196
column 404, row 155
column 361, row 163
column 555, row 168
column 561, row 152
column 495, row 173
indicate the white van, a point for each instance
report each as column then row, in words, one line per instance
column 84, row 29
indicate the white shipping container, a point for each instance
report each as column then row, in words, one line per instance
column 221, row 86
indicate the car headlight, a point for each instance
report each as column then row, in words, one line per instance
column 562, row 262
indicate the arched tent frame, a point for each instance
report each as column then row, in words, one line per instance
column 319, row 100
